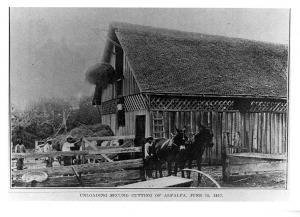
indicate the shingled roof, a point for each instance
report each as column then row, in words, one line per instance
column 176, row 62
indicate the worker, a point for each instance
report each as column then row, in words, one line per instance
column 148, row 154
column 48, row 148
column 69, row 145
column 20, row 148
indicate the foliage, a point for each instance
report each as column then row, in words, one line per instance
column 45, row 117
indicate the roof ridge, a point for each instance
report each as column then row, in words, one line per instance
column 194, row 35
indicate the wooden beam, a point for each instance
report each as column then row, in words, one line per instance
column 110, row 138
column 259, row 155
column 257, row 167
column 106, row 158
column 84, row 168
column 102, row 150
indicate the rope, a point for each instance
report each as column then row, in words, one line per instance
column 203, row 173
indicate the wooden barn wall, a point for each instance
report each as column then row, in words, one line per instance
column 129, row 83
column 260, row 132
column 129, row 128
column 130, row 86
column 109, row 92
column 110, row 120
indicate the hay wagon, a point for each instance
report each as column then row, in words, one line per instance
column 109, row 171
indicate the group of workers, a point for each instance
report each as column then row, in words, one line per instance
column 69, row 145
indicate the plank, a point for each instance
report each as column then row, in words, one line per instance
column 188, row 121
column 251, row 130
column 263, row 134
column 242, row 134
column 272, row 126
column 219, row 135
column 284, row 133
column 259, row 142
column 84, row 168
column 247, row 160
column 276, row 133
column 260, row 155
column 87, row 180
column 268, row 134
column 106, row 158
column 172, row 122
column 261, row 167
column 176, row 120
column 233, row 128
column 167, row 124
column 280, row 134
column 170, row 181
column 247, row 143
column 214, row 155
column 102, row 150
column 106, row 138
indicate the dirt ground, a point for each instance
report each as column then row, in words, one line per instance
column 275, row 180
column 269, row 180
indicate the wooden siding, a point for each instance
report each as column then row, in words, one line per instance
column 260, row 132
column 129, row 83
column 129, row 128
column 110, row 120
column 109, row 92
column 130, row 86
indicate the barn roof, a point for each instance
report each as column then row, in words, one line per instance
column 170, row 61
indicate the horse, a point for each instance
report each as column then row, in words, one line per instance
column 166, row 150
column 195, row 149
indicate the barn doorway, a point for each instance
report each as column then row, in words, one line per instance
column 140, row 129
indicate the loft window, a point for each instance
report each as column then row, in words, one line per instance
column 119, row 70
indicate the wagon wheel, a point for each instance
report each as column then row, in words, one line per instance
column 205, row 174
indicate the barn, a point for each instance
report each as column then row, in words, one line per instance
column 167, row 78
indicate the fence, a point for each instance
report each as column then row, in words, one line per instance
column 101, row 174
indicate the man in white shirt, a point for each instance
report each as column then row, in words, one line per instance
column 67, row 147
column 148, row 153
column 48, row 148
column 20, row 148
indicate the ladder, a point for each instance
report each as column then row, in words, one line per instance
column 158, row 125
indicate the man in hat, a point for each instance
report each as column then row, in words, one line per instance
column 67, row 146
column 20, row 148
column 48, row 148
column 148, row 153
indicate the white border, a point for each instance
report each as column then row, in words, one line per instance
column 182, row 209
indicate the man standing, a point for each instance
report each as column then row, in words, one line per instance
column 148, row 153
column 48, row 148
column 69, row 145
column 20, row 148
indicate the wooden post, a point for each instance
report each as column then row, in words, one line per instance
column 225, row 160
column 83, row 148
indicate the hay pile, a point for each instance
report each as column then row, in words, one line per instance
column 84, row 131
column 101, row 75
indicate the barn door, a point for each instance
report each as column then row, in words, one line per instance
column 140, row 128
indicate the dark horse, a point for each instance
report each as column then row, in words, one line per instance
column 195, row 148
column 166, row 150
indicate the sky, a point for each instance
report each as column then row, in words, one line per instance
column 51, row 48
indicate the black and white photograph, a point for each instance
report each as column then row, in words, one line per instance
column 149, row 103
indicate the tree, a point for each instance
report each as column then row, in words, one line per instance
column 44, row 118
